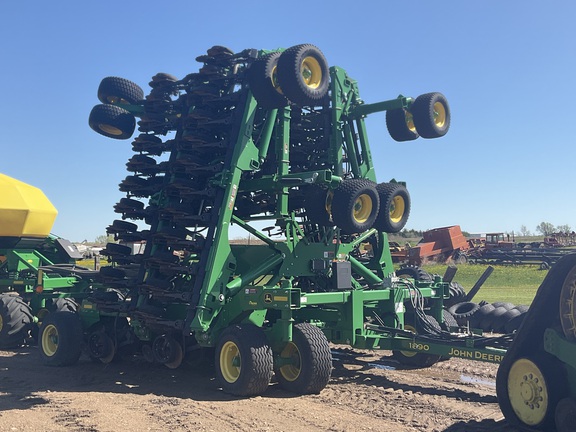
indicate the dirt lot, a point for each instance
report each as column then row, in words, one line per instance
column 368, row 392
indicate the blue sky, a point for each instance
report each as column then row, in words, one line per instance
column 508, row 70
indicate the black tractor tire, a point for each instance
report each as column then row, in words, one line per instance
column 480, row 315
column 263, row 81
column 310, row 367
column 60, row 339
column 431, row 115
column 506, row 305
column 318, row 205
column 355, row 205
column 493, row 320
column 456, row 294
column 112, row 121
column 463, row 312
column 534, row 409
column 119, row 91
column 244, row 362
column 400, row 125
column 522, row 308
column 15, row 321
column 117, row 249
column 64, row 304
column 514, row 324
column 394, row 207
column 414, row 272
column 303, row 75
column 417, row 359
column 501, row 324
column 448, row 320
column 565, row 415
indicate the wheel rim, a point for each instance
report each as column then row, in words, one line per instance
column 362, row 208
column 567, row 304
column 528, row 392
column 117, row 100
column 274, row 79
column 110, row 129
column 1, row 323
column 412, row 329
column 230, row 362
column 311, row 72
column 397, row 209
column 291, row 371
column 409, row 121
column 50, row 340
column 439, row 114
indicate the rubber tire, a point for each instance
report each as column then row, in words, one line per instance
column 315, row 362
column 256, row 369
column 112, row 121
column 423, row 113
column 68, row 330
column 506, row 305
column 565, row 415
column 261, row 81
column 290, row 76
column 64, row 304
column 16, row 320
column 388, row 194
column 463, row 311
column 515, row 323
column 492, row 321
column 522, row 308
column 317, row 206
column 448, row 320
column 414, row 272
column 397, row 125
column 418, row 360
column 115, row 90
column 456, row 294
column 480, row 315
column 555, row 382
column 346, row 196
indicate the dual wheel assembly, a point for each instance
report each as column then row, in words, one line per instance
column 535, row 388
column 245, row 362
column 357, row 205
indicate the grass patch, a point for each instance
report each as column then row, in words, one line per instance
column 517, row 285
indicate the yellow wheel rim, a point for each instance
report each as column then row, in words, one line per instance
column 110, row 129
column 291, row 371
column 528, row 392
column 413, row 330
column 50, row 340
column 410, row 121
column 567, row 306
column 274, row 79
column 311, row 72
column 362, row 208
column 397, row 209
column 328, row 203
column 230, row 362
column 1, row 322
column 439, row 114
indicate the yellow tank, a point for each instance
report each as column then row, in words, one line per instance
column 24, row 210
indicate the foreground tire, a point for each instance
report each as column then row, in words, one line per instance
column 303, row 75
column 263, row 81
column 114, row 90
column 244, row 363
column 112, row 121
column 15, row 320
column 394, row 207
column 355, row 205
column 400, row 125
column 306, row 362
column 534, row 387
column 565, row 415
column 462, row 312
column 431, row 115
column 60, row 339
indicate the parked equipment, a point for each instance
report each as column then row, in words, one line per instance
column 257, row 136
column 38, row 272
